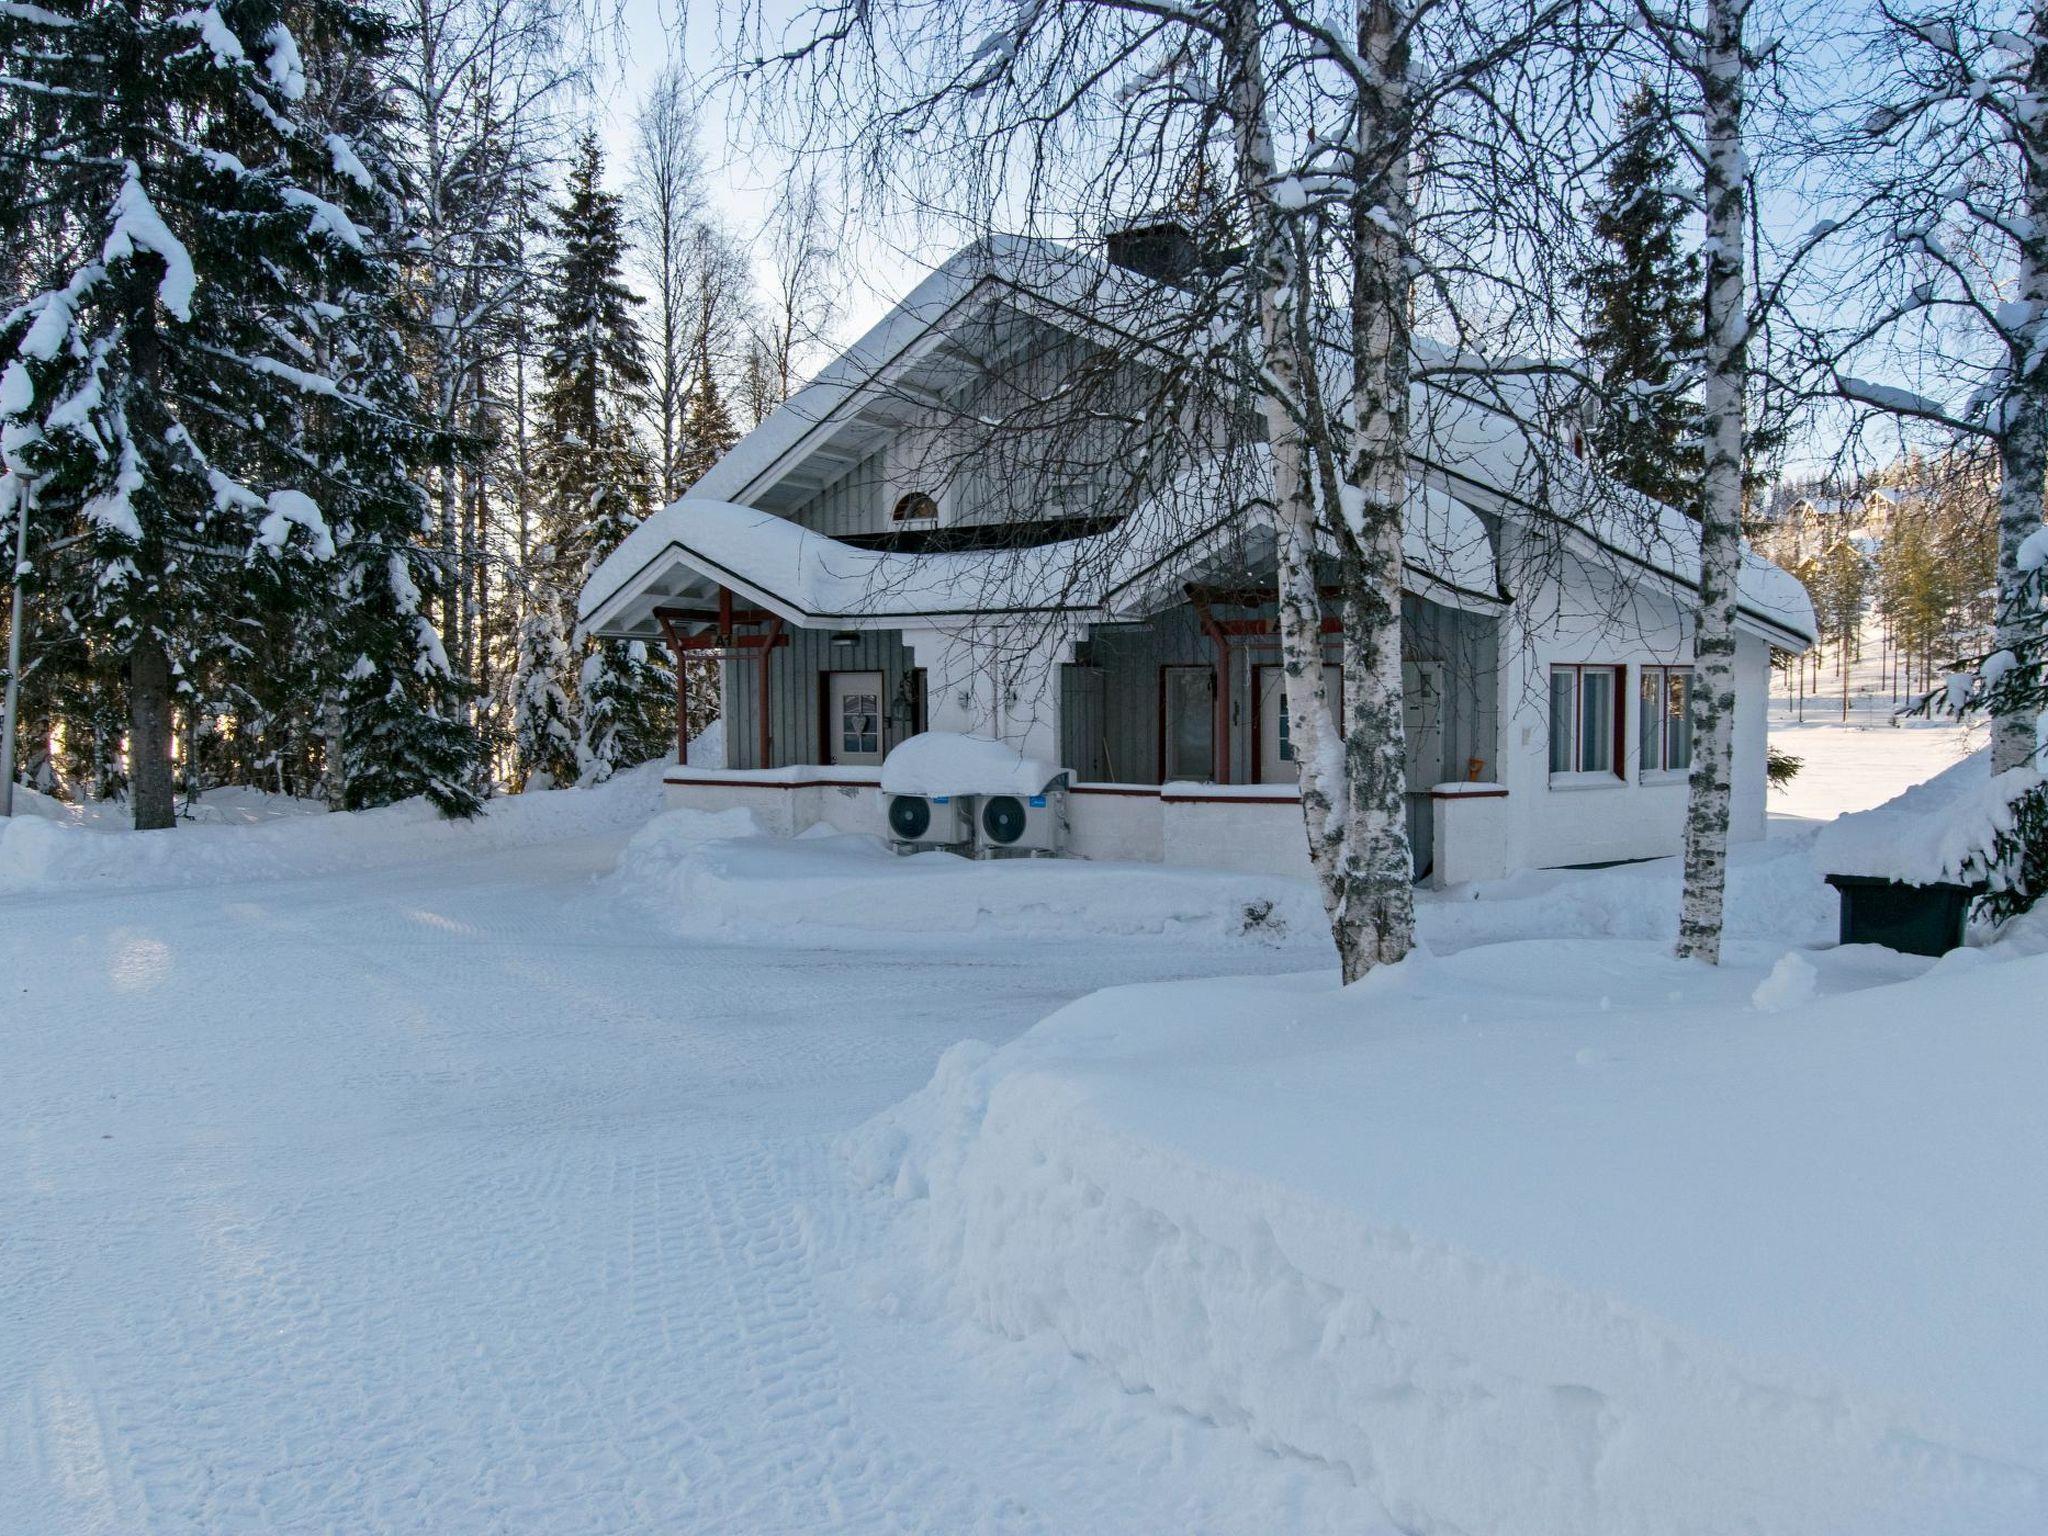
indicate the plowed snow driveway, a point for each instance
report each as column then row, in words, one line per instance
column 457, row 1199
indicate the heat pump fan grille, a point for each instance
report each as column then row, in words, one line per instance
column 910, row 817
column 1002, row 818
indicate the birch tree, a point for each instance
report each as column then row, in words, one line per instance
column 1707, row 50
column 1941, row 270
column 1306, row 125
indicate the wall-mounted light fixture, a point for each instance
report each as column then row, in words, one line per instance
column 846, row 637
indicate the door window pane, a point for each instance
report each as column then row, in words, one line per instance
column 860, row 723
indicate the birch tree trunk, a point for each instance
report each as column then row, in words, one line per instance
column 1726, row 332
column 1317, row 751
column 1376, row 924
column 1353, row 776
column 2023, row 445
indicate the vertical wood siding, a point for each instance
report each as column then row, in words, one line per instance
column 795, row 700
column 1117, row 740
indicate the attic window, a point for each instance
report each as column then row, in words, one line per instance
column 917, row 507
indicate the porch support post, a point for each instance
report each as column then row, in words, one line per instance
column 682, row 711
column 1221, row 640
column 675, row 651
column 774, row 637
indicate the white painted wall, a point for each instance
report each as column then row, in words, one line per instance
column 1585, row 614
column 989, row 678
column 996, row 679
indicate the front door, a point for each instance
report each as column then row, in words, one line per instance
column 1188, row 713
column 853, row 718
column 1276, row 746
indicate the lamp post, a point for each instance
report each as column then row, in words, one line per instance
column 14, row 629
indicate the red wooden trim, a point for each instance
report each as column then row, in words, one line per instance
column 773, row 783
column 1202, row 799
column 1260, row 628
column 1129, row 790
column 1621, row 722
column 727, row 644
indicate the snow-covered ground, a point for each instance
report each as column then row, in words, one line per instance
column 581, row 1171
column 419, row 1182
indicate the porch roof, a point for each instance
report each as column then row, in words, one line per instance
column 683, row 554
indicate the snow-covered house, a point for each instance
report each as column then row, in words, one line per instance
column 861, row 576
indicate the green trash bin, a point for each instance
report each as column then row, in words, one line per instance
column 1913, row 919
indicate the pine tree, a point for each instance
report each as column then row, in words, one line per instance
column 597, row 480
column 1642, row 299
column 148, row 394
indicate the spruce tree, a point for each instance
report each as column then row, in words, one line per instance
column 392, row 702
column 1642, row 303
column 148, row 393
column 708, row 430
column 543, row 723
column 596, row 478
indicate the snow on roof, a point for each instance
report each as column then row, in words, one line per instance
column 808, row 576
column 812, row 580
column 947, row 763
column 1481, row 444
column 1938, row 832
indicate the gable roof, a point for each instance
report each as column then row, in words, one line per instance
column 1469, row 446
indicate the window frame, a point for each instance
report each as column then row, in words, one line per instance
column 1661, row 771
column 1579, row 776
column 915, row 507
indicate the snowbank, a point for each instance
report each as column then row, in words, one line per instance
column 1541, row 1238
column 947, row 763
column 1938, row 831
column 39, row 852
column 710, row 872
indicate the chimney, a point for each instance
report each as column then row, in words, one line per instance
column 1165, row 251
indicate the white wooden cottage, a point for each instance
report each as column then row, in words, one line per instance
column 863, row 573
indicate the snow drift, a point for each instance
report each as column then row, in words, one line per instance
column 1541, row 1238
column 713, row 872
column 49, row 852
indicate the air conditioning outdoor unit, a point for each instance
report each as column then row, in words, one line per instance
column 1023, row 826
column 918, row 823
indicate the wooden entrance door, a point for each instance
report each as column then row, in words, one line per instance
column 1187, row 721
column 853, row 718
column 1276, row 763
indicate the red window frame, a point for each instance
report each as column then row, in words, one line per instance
column 1618, row 747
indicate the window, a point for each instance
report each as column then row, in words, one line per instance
column 1583, row 721
column 860, row 723
column 917, row 507
column 1664, row 725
